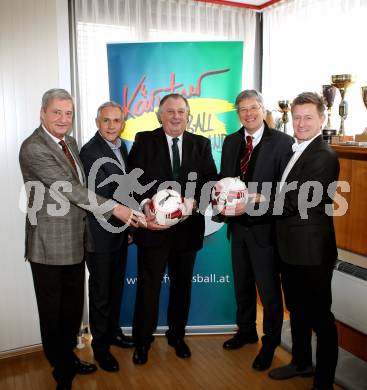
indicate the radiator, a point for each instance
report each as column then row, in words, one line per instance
column 349, row 287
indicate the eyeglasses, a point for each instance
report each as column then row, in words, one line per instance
column 249, row 110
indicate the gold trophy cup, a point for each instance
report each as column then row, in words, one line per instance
column 342, row 82
column 284, row 107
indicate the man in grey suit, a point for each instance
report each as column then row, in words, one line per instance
column 57, row 231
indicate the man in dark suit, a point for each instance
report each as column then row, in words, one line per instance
column 107, row 262
column 307, row 247
column 257, row 154
column 57, row 230
column 166, row 154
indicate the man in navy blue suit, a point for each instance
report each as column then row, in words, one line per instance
column 106, row 264
column 256, row 154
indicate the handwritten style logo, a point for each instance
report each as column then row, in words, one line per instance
column 139, row 107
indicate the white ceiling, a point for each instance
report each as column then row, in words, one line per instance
column 257, row 3
column 252, row 2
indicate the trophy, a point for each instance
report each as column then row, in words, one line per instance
column 328, row 93
column 342, row 82
column 284, row 107
column 364, row 95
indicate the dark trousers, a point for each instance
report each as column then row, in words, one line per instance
column 60, row 297
column 307, row 291
column 255, row 265
column 106, row 282
column 152, row 262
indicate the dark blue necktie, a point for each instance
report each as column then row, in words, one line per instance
column 175, row 159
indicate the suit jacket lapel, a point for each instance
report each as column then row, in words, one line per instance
column 107, row 151
column 59, row 153
column 310, row 149
column 236, row 150
column 187, row 148
column 162, row 149
column 265, row 149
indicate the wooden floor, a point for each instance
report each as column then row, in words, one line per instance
column 210, row 367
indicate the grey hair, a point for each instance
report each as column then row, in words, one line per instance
column 173, row 96
column 55, row 93
column 250, row 94
column 109, row 104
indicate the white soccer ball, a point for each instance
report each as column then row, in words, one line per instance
column 167, row 206
column 228, row 193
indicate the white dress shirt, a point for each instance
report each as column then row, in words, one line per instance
column 179, row 145
column 57, row 140
column 298, row 149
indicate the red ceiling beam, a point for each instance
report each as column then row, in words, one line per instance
column 241, row 5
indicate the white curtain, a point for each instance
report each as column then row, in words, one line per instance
column 102, row 21
column 307, row 41
column 34, row 57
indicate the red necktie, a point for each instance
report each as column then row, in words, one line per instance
column 68, row 155
column 245, row 160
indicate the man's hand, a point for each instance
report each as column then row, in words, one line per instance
column 256, row 198
column 240, row 207
column 128, row 216
column 150, row 222
column 189, row 206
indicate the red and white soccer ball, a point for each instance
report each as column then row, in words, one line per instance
column 228, row 193
column 167, row 206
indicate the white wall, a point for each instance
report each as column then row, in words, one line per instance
column 34, row 57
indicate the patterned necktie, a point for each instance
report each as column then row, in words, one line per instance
column 67, row 153
column 245, row 160
column 175, row 159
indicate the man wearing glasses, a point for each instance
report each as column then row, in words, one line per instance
column 256, row 154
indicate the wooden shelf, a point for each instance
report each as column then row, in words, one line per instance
column 350, row 228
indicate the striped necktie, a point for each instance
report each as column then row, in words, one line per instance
column 68, row 155
column 245, row 160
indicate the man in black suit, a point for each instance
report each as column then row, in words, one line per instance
column 307, row 247
column 257, row 154
column 154, row 152
column 106, row 263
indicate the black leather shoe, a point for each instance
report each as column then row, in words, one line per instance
column 181, row 348
column 84, row 368
column 123, row 341
column 140, row 355
column 290, row 371
column 63, row 379
column 239, row 341
column 106, row 361
column 263, row 359
column 63, row 386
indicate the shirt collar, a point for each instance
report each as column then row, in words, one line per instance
column 55, row 139
column 112, row 145
column 170, row 138
column 257, row 135
column 300, row 147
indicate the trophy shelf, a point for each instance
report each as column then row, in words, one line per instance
column 350, row 228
